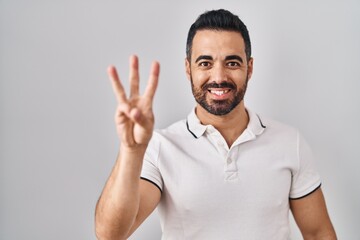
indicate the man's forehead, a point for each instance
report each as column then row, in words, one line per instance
column 210, row 42
column 213, row 33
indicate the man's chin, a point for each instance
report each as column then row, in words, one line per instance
column 218, row 110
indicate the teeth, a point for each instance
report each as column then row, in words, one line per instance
column 219, row 93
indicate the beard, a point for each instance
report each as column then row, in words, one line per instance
column 218, row 107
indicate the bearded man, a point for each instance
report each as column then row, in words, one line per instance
column 224, row 172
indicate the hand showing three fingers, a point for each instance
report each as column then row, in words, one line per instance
column 134, row 116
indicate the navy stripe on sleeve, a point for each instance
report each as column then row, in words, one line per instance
column 306, row 194
column 151, row 182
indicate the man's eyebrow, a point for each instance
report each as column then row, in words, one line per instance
column 201, row 57
column 232, row 57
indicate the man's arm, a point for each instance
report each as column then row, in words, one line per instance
column 126, row 200
column 312, row 218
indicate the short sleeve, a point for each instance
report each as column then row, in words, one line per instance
column 150, row 170
column 305, row 179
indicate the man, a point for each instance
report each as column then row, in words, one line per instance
column 222, row 173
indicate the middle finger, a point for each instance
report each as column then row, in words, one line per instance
column 134, row 76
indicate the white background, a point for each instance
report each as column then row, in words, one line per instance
column 57, row 137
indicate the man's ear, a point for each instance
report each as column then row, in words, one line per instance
column 187, row 68
column 250, row 67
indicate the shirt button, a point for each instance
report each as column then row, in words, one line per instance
column 229, row 160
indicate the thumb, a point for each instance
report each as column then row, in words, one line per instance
column 137, row 117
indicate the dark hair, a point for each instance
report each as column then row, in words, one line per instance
column 218, row 20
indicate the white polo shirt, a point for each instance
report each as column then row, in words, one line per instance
column 211, row 191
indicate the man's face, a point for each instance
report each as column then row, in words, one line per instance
column 218, row 70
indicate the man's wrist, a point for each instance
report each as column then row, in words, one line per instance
column 133, row 150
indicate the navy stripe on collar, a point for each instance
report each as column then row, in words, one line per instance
column 188, row 128
column 261, row 123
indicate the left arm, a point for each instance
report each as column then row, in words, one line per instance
column 312, row 218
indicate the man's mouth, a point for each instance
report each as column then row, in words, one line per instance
column 219, row 92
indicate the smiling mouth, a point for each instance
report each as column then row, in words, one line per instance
column 219, row 92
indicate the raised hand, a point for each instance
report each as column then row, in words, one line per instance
column 134, row 116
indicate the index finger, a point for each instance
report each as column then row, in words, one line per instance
column 153, row 81
column 116, row 84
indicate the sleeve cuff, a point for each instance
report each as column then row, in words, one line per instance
column 148, row 180
column 307, row 194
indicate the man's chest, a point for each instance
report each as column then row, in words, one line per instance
column 230, row 182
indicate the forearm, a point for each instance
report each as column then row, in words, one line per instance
column 119, row 202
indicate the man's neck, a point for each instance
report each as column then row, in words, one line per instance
column 231, row 125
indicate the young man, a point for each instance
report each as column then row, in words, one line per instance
column 222, row 173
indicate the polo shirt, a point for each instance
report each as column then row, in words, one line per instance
column 212, row 191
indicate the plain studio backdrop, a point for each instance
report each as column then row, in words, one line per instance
column 57, row 137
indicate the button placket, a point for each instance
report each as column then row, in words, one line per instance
column 230, row 167
column 231, row 171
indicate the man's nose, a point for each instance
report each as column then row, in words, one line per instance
column 218, row 73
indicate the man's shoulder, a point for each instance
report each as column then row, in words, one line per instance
column 274, row 126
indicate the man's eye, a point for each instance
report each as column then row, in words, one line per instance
column 204, row 64
column 233, row 64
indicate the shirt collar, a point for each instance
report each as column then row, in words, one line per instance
column 195, row 128
column 255, row 125
column 194, row 125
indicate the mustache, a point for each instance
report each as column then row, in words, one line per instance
column 218, row 85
